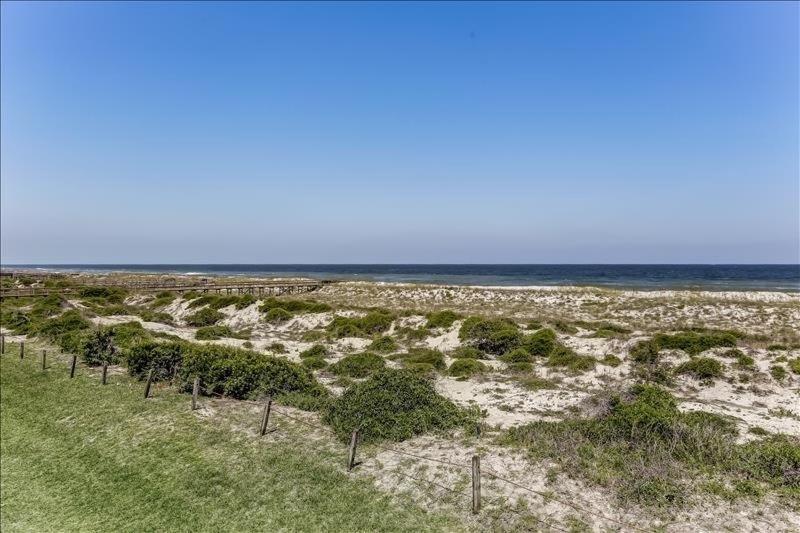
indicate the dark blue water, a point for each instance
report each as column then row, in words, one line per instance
column 707, row 277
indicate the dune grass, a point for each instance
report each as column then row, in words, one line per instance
column 78, row 456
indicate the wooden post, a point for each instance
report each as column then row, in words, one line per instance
column 195, row 392
column 351, row 456
column 21, row 350
column 265, row 417
column 72, row 366
column 44, row 359
column 2, row 344
column 105, row 373
column 476, row 484
column 147, row 385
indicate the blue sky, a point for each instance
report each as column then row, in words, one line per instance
column 429, row 132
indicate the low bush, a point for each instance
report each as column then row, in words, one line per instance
column 493, row 336
column 165, row 358
column 393, row 405
column 56, row 327
column 314, row 362
column 373, row 323
column 517, row 355
column 99, row 347
column 745, row 362
column 467, row 352
column 204, row 317
column 564, row 357
column 778, row 372
column 413, row 334
column 245, row 374
column 277, row 315
column 695, row 343
column 794, row 365
column 213, row 332
column 358, row 365
column 127, row 335
column 441, row 319
column 426, row 356
column 154, row 316
column 701, row 368
column 466, row 367
column 304, row 400
column 383, row 345
column 611, row 360
column 565, row 327
column 294, row 306
column 541, row 343
column 645, row 352
column 108, row 295
column 318, row 350
column 276, row 347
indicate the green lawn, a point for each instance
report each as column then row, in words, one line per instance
column 75, row 455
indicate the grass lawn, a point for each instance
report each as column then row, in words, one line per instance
column 75, row 455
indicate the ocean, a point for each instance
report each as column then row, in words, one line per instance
column 648, row 277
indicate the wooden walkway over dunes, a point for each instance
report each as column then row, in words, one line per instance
column 261, row 288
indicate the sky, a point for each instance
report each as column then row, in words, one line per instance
column 399, row 132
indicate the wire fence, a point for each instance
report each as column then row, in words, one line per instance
column 280, row 411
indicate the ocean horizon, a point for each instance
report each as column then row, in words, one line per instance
column 777, row 277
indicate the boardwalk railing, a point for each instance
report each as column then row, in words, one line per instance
column 270, row 287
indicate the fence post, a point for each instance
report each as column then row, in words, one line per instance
column 2, row 344
column 44, row 359
column 265, row 417
column 195, row 392
column 351, row 456
column 147, row 385
column 105, row 373
column 476, row 484
column 21, row 350
column 72, row 366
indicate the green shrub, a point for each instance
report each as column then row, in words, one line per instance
column 695, row 343
column 127, row 335
column 277, row 315
column 733, row 353
column 541, row 343
column 466, row 367
column 112, row 295
column 611, row 360
column 413, row 334
column 99, row 347
column 467, row 352
column 564, row 357
column 701, row 368
column 428, row 356
column 317, row 350
column 373, row 323
column 794, row 365
column 277, row 347
column 164, row 358
column 517, row 355
column 383, row 345
column 777, row 347
column 245, row 300
column 213, row 332
column 493, row 336
column 204, row 317
column 314, row 362
column 392, row 405
column 294, row 306
column 441, row 319
column 69, row 321
column 745, row 362
column 607, row 330
column 519, row 367
column 534, row 324
column 358, row 365
column 778, row 372
column 244, row 374
column 645, row 352
column 304, row 401
column 154, row 316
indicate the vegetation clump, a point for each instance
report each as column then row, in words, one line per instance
column 373, row 323
column 277, row 314
column 294, row 306
column 778, row 372
column 243, row 373
column 218, row 332
column 564, row 357
column 164, row 358
column 466, row 367
column 517, row 355
column 467, row 352
column 441, row 319
column 641, row 445
column 422, row 356
column 794, row 365
column 318, row 350
column 541, row 343
column 702, row 368
column 493, row 336
column 383, row 344
column 314, row 362
column 358, row 365
column 694, row 343
column 611, row 360
column 393, row 405
column 204, row 317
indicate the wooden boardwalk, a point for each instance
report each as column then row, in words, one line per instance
column 260, row 288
